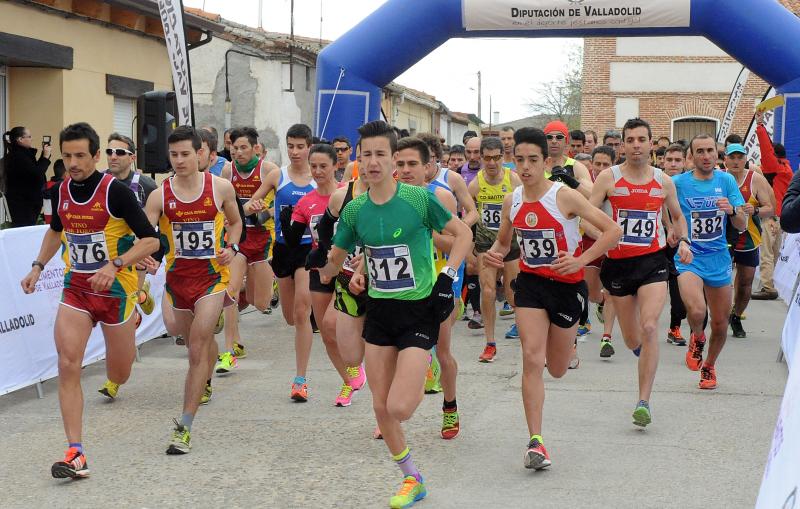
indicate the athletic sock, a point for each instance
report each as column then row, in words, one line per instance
column 187, row 420
column 77, row 445
column 449, row 406
column 474, row 292
column 406, row 464
column 491, row 344
column 299, row 380
column 208, row 382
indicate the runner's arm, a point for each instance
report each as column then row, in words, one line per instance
column 297, row 226
column 575, row 204
column 50, row 245
column 231, row 210
column 443, row 241
column 600, row 189
column 583, row 176
column 502, row 244
column 464, row 198
column 679, row 227
column 765, row 196
column 256, row 202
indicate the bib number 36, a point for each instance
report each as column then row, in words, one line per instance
column 390, row 268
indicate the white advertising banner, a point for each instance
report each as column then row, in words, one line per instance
column 787, row 267
column 574, row 14
column 171, row 12
column 733, row 105
column 27, row 347
column 751, row 140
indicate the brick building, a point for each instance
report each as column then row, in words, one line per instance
column 681, row 85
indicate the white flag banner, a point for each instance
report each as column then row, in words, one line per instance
column 571, row 14
column 751, row 140
column 733, row 105
column 171, row 12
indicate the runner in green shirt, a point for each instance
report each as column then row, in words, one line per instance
column 394, row 222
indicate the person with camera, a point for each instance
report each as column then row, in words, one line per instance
column 24, row 175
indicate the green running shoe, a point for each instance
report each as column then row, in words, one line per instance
column 432, row 377
column 239, row 351
column 641, row 416
column 206, row 397
column 410, row 492
column 606, row 348
column 450, row 425
column 226, row 363
column 181, row 441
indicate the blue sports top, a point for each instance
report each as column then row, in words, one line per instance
column 288, row 194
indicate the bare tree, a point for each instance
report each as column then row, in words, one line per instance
column 561, row 99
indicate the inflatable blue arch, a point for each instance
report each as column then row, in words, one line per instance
column 760, row 34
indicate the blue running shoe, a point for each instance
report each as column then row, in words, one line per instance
column 636, row 351
column 506, row 310
column 512, row 333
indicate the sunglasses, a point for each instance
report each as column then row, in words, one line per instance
column 492, row 158
column 118, row 151
column 558, row 137
column 341, row 149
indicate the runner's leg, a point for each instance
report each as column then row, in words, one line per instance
column 286, row 287
column 651, row 299
column 533, row 328
column 322, row 304
column 719, row 306
column 744, row 288
column 201, row 345
column 303, row 335
column 120, row 343
column 72, row 330
column 488, row 282
column 349, row 331
column 259, row 285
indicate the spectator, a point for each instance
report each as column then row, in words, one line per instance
column 613, row 139
column 778, row 173
column 468, row 135
column 24, row 176
column 51, row 188
column 790, row 220
column 226, row 152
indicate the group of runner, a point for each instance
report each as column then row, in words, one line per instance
column 383, row 262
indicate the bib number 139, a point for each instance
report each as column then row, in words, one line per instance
column 390, row 268
column 539, row 247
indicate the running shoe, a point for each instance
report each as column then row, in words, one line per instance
column 536, row 456
column 358, row 377
column 736, row 326
column 181, row 440
column 512, row 332
column 675, row 337
column 377, row 435
column 488, row 354
column 206, row 397
column 276, row 298
column 465, row 317
column 433, row 375
column 574, row 362
column 299, row 392
column 109, row 389
column 694, row 354
column 506, row 310
column 450, row 425
column 226, row 363
column 476, row 322
column 583, row 330
column 220, row 326
column 410, row 492
column 179, row 340
column 708, row 377
column 145, row 299
column 74, row 465
column 345, row 396
column 598, row 312
column 641, row 416
column 606, row 348
column 238, row 351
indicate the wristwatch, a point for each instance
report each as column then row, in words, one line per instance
column 685, row 239
column 234, row 248
column 118, row 263
column 37, row 263
column 450, row 271
column 756, row 210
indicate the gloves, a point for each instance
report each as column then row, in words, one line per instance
column 285, row 217
column 442, row 297
column 317, row 258
column 559, row 174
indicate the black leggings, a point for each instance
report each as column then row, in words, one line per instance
column 677, row 311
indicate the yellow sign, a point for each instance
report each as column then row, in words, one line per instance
column 771, row 103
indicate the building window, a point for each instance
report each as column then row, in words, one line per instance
column 688, row 127
column 124, row 113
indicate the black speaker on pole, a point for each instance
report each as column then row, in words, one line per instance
column 156, row 119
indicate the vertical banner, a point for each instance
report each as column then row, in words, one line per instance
column 751, row 140
column 171, row 12
column 733, row 105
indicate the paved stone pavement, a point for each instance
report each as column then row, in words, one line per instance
column 253, row 447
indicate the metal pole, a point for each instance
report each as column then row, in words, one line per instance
column 479, row 95
column 260, row 13
column 39, row 390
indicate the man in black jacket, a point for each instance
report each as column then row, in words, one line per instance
column 790, row 217
column 24, row 176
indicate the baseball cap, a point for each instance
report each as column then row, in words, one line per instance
column 557, row 125
column 734, row 148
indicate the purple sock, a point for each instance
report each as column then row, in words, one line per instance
column 77, row 445
column 406, row 464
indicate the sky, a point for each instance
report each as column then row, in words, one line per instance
column 511, row 69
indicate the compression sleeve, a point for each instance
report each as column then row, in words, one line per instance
column 325, row 230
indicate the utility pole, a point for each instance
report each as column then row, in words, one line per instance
column 260, row 13
column 479, row 94
column 490, row 112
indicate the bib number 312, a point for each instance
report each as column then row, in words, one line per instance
column 390, row 268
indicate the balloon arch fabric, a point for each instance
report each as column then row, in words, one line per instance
column 352, row 70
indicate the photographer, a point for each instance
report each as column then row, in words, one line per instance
column 24, row 176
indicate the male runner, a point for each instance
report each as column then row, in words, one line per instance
column 507, row 138
column 194, row 211
column 759, row 202
column 591, row 141
column 343, row 152
column 706, row 196
column 472, row 149
column 674, row 164
column 216, row 162
column 635, row 272
column 247, row 172
column 457, row 158
column 550, row 294
column 95, row 222
column 404, row 309
column 448, row 180
column 489, row 189
column 291, row 183
column 577, row 143
column 574, row 174
column 413, row 165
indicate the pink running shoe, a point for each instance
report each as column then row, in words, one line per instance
column 345, row 396
column 358, row 377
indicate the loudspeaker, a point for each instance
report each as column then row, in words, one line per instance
column 156, row 119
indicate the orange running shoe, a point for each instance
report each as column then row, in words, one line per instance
column 675, row 337
column 708, row 377
column 488, row 354
column 299, row 392
column 74, row 465
column 694, row 354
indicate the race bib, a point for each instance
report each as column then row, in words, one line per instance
column 194, row 240
column 707, row 225
column 313, row 227
column 347, row 266
column 538, row 247
column 251, row 220
column 88, row 252
column 638, row 227
column 490, row 214
column 390, row 268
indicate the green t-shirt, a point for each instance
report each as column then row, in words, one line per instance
column 397, row 240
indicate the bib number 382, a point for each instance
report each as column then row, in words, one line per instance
column 390, row 268
column 539, row 247
column 194, row 240
column 88, row 252
column 707, row 225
